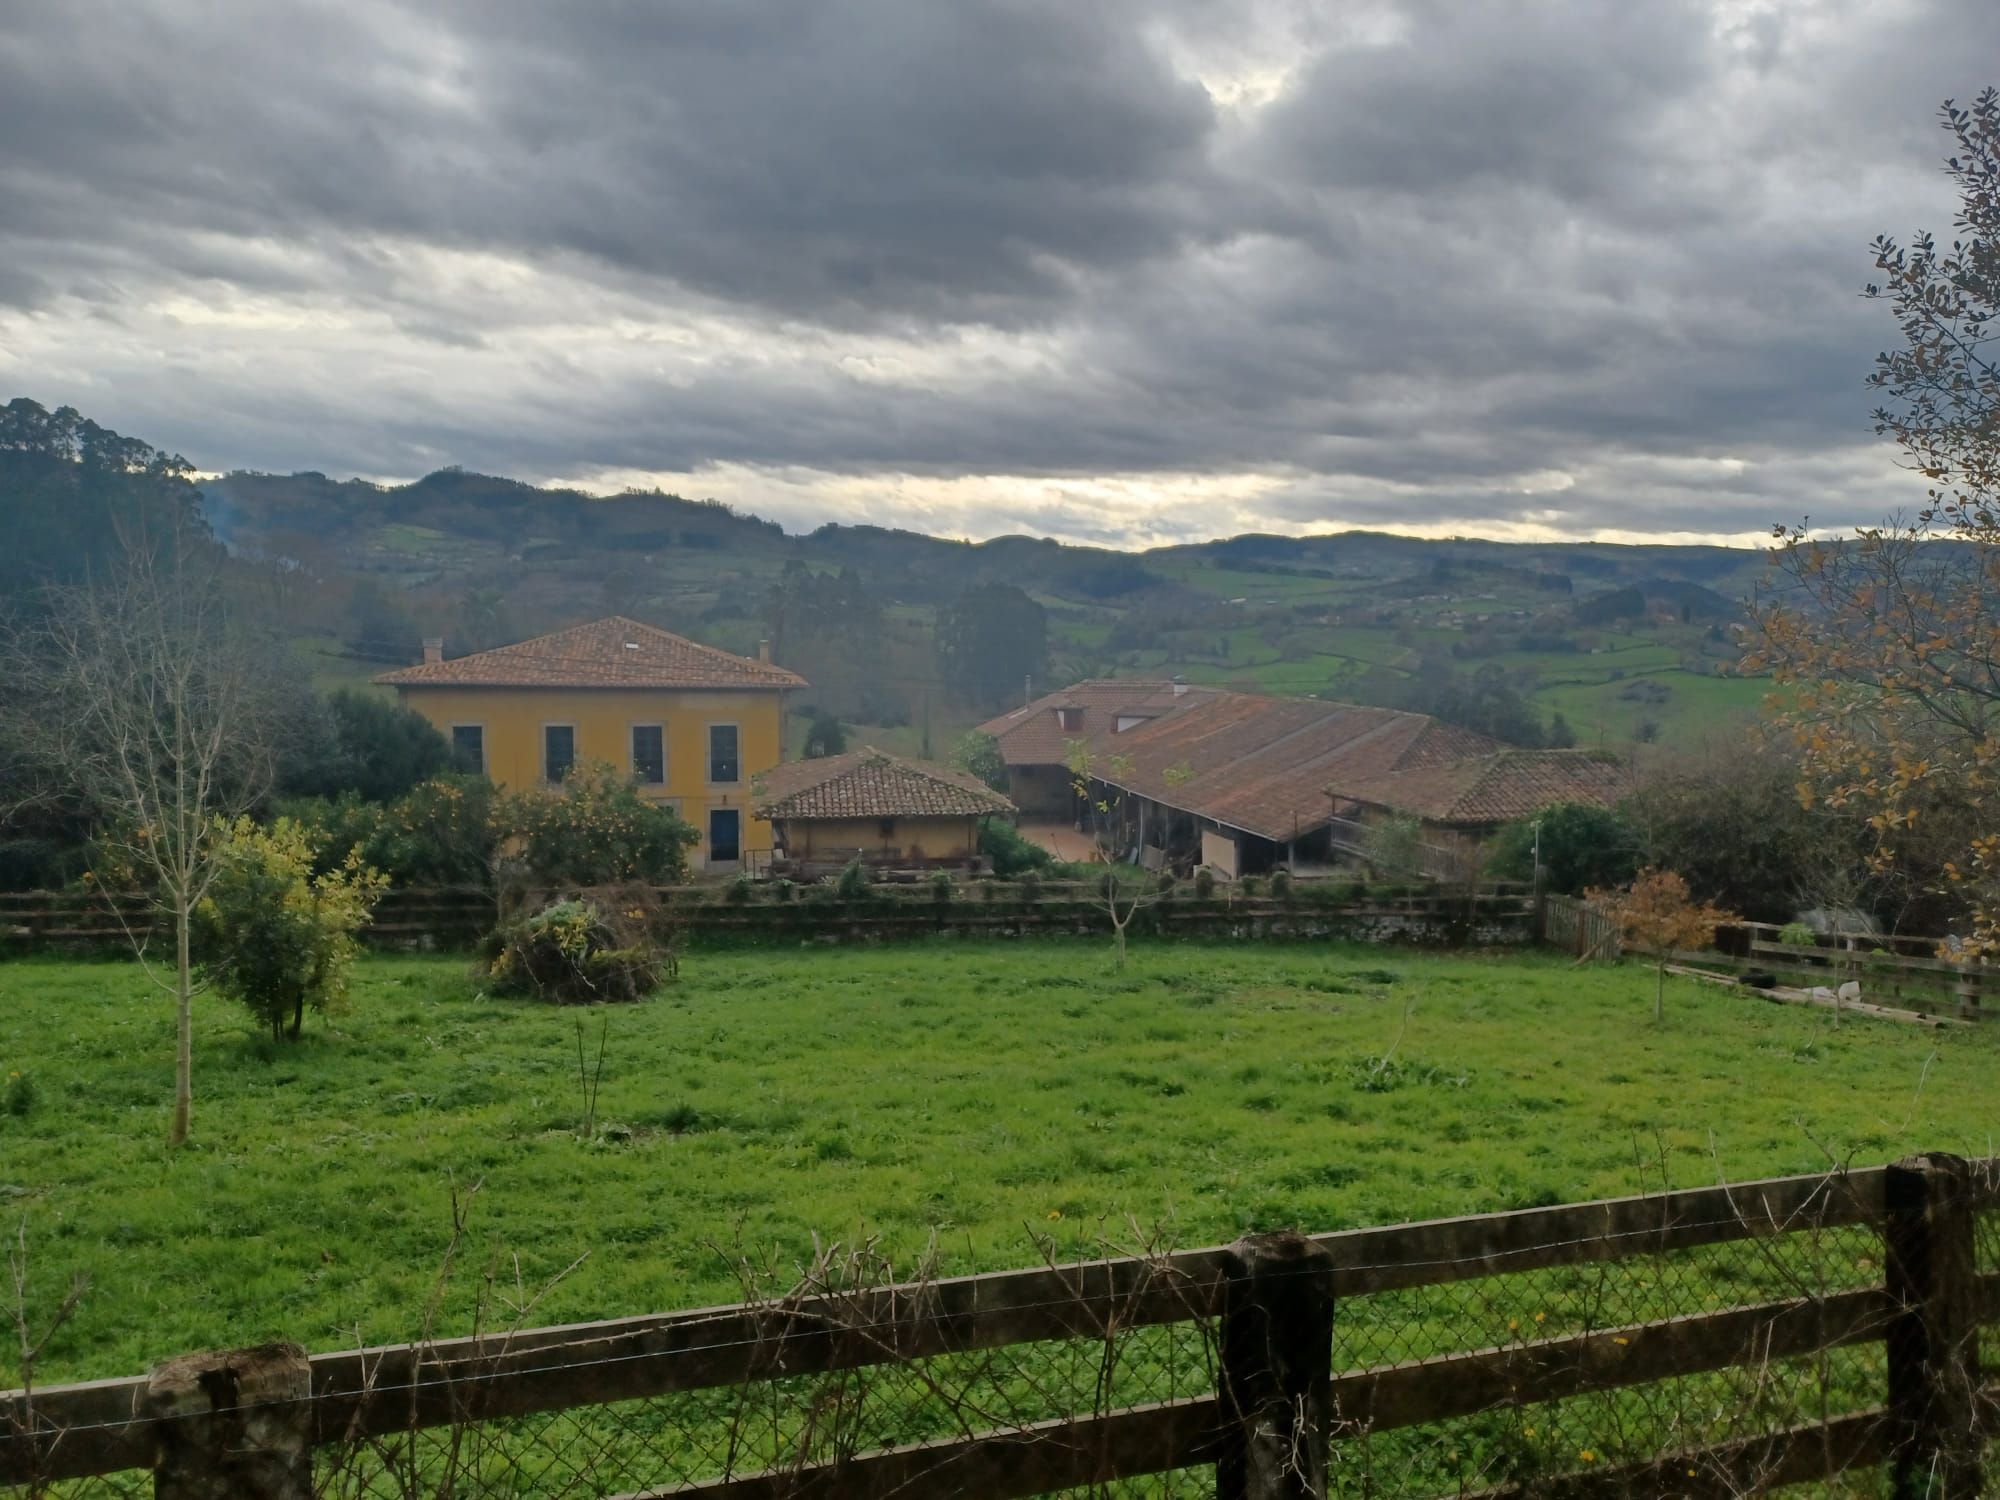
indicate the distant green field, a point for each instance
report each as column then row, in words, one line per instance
column 1698, row 707
column 975, row 1092
column 416, row 540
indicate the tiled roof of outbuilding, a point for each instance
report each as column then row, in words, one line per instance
column 1496, row 788
column 1263, row 764
column 871, row 783
column 1034, row 736
column 611, row 653
column 1273, row 766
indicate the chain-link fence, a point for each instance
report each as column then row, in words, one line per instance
column 1718, row 1342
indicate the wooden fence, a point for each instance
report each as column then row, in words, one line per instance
column 1850, row 1340
column 450, row 918
column 1907, row 973
column 1581, row 927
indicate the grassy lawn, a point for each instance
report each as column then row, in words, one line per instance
column 981, row 1092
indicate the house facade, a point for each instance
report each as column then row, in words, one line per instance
column 692, row 725
column 875, row 807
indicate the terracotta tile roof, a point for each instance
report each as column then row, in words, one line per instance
column 1495, row 788
column 871, row 783
column 1262, row 764
column 1034, row 735
column 613, row 653
column 1273, row 766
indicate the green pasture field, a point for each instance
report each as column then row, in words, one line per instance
column 978, row 1093
column 1699, row 708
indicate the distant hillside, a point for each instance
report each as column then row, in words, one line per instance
column 455, row 526
column 1360, row 614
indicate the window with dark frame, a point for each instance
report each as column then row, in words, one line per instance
column 649, row 754
column 468, row 748
column 558, row 751
column 724, row 766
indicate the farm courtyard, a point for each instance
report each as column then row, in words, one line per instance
column 982, row 1093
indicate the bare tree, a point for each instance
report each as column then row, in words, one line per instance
column 1122, row 893
column 141, row 700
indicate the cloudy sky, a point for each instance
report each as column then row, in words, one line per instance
column 1128, row 270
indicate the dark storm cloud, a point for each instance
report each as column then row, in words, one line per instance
column 1580, row 264
column 903, row 157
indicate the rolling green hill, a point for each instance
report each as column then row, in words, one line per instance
column 1626, row 642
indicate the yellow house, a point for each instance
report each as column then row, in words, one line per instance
column 690, row 723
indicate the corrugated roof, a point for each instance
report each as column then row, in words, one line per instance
column 611, row 653
column 1495, row 788
column 871, row 783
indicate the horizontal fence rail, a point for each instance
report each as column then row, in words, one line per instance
column 1885, row 971
column 451, row 918
column 1769, row 1378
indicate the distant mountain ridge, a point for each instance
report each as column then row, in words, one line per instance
column 472, row 513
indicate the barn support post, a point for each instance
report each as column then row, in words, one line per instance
column 235, row 1425
column 1933, row 1344
column 1276, row 1373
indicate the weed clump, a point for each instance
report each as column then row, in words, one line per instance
column 607, row 945
column 20, row 1095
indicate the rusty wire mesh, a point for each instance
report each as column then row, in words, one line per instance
column 1548, row 1313
column 1594, row 1430
column 1986, row 1261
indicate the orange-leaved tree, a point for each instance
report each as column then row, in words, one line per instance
column 1889, row 639
column 1657, row 913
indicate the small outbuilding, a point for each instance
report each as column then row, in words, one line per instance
column 875, row 807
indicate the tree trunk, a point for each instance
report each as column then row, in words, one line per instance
column 298, row 1016
column 177, row 1133
column 1660, row 994
column 1118, row 928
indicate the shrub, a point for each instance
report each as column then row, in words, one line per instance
column 979, row 753
column 336, row 827
column 1011, row 854
column 1204, row 882
column 739, row 890
column 1798, row 935
column 1581, row 846
column 596, row 830
column 942, row 887
column 368, row 745
column 442, row 832
column 273, row 934
column 853, row 882
column 20, row 1095
column 1281, row 884
column 1395, row 845
column 610, row 944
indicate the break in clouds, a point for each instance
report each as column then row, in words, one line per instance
column 1113, row 271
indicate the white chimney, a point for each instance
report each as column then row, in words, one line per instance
column 433, row 650
column 1180, row 686
column 764, row 652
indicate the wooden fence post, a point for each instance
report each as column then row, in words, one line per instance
column 1933, row 1343
column 235, row 1425
column 1277, row 1370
